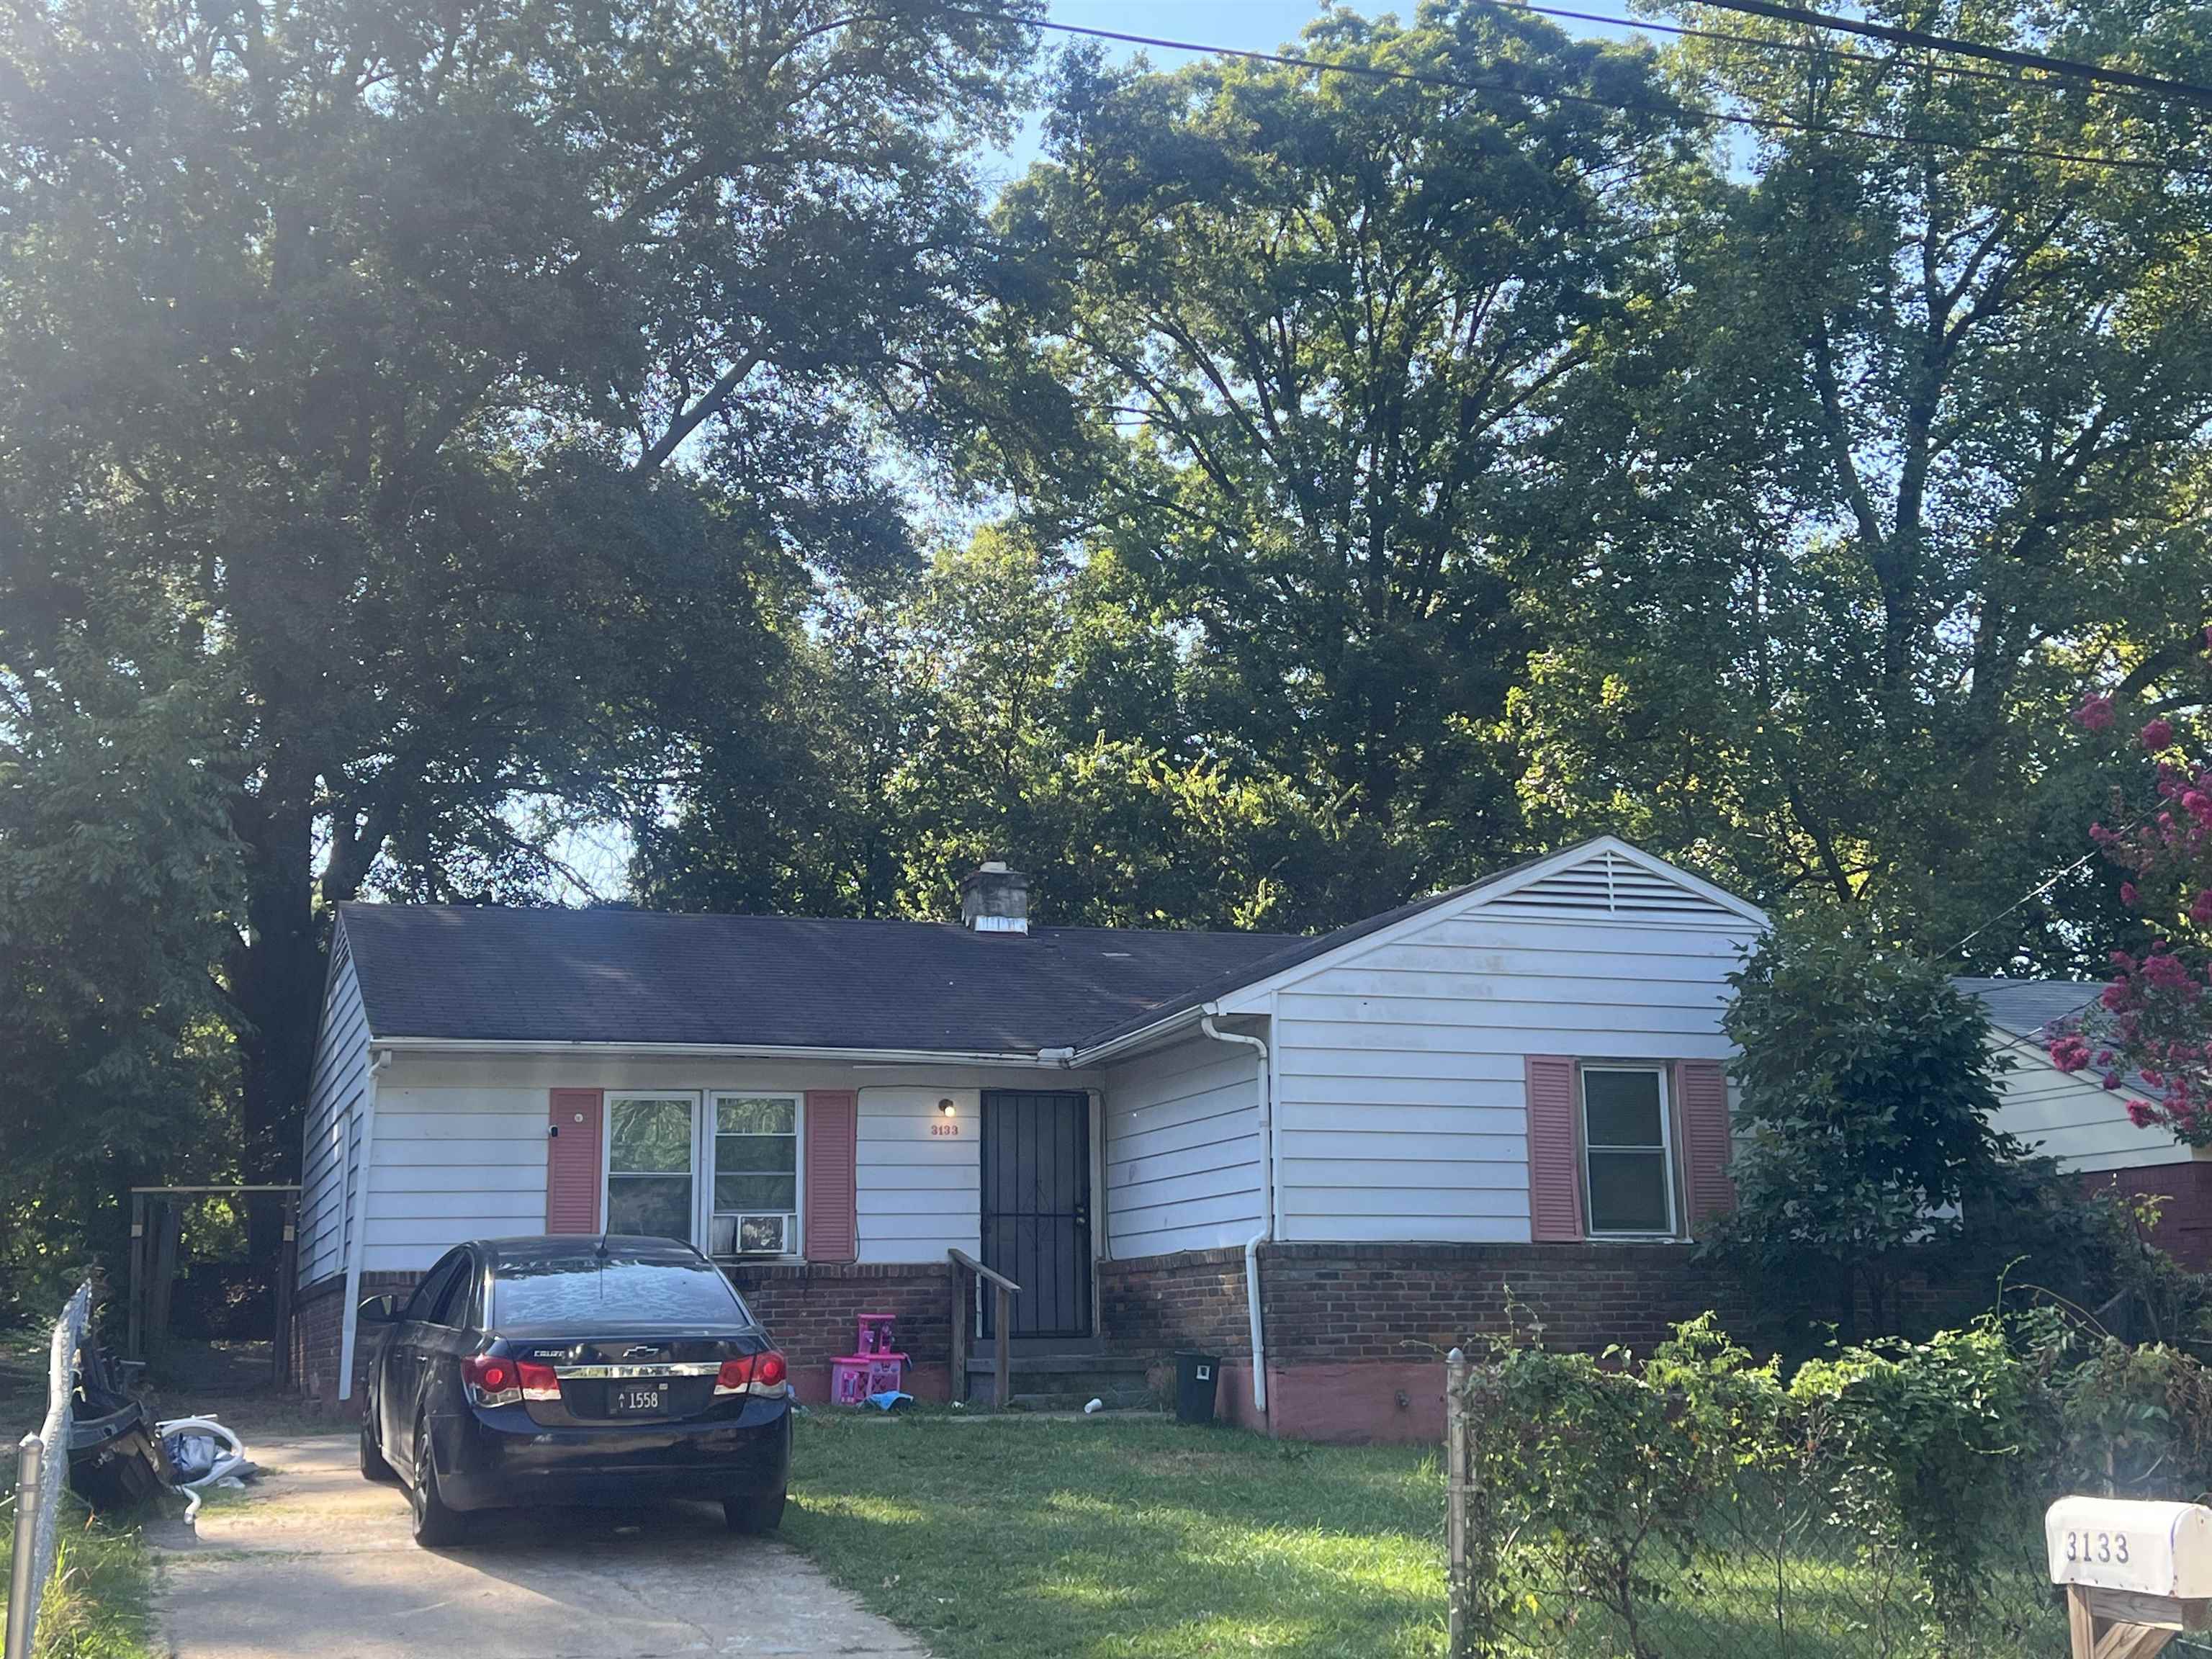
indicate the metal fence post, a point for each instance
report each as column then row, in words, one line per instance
column 23, row 1570
column 1455, row 1480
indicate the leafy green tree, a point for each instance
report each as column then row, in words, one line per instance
column 117, row 874
column 1006, row 704
column 1867, row 1088
column 458, row 391
column 1304, row 326
column 1904, row 439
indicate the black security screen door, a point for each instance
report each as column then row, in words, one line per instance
column 1036, row 1208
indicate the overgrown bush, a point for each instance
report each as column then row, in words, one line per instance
column 1886, row 1499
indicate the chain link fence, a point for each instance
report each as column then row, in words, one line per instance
column 40, row 1472
column 1599, row 1513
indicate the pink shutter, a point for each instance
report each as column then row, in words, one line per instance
column 572, row 1161
column 1555, row 1177
column 832, row 1221
column 1701, row 1091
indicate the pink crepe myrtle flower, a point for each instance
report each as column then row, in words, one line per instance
column 2158, row 734
column 2200, row 912
column 2094, row 712
column 2138, row 1114
column 2128, row 894
column 2069, row 1053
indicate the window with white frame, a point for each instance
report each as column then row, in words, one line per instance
column 650, row 1155
column 1628, row 1164
column 756, row 1166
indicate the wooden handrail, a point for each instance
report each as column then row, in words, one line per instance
column 991, row 1274
column 1007, row 1292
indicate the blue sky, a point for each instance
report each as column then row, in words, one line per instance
column 1247, row 25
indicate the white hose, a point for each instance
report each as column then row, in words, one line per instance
column 226, row 1464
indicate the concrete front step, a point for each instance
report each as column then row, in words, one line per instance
column 1062, row 1381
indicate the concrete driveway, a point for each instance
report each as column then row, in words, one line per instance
column 316, row 1560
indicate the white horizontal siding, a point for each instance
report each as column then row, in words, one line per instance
column 453, row 1164
column 918, row 1193
column 1183, row 1149
column 2074, row 1119
column 336, row 1092
column 1400, row 1107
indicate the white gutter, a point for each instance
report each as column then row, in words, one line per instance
column 1266, row 1203
column 349, row 1315
column 1048, row 1057
column 1117, row 1046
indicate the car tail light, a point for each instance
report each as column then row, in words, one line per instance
column 492, row 1380
column 539, row 1382
column 753, row 1373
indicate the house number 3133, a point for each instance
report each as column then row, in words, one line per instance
column 2096, row 1546
column 942, row 1129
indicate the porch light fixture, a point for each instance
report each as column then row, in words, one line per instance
column 945, row 1108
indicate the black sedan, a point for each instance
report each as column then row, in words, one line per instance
column 586, row 1370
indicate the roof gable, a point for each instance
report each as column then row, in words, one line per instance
column 1609, row 878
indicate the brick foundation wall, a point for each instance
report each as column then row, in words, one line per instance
column 1356, row 1333
column 318, row 1336
column 1337, row 1304
column 812, row 1309
column 1155, row 1305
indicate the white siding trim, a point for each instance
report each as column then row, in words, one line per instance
column 1181, row 1150
column 1401, row 1084
column 2072, row 1117
column 1729, row 917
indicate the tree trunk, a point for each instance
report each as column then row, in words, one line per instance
column 276, row 981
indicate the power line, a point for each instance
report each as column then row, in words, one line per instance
column 1661, row 105
column 2071, row 69
column 1803, row 48
column 2033, row 894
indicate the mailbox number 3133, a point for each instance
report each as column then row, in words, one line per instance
column 2096, row 1546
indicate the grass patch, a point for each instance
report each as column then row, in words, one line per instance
column 1136, row 1539
column 100, row 1603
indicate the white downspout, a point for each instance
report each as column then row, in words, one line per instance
column 349, row 1315
column 1267, row 1205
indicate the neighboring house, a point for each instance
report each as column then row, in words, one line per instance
column 1510, row 1093
column 2072, row 1117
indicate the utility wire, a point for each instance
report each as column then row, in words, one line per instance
column 1661, row 105
column 1809, row 49
column 2071, row 69
column 2029, row 898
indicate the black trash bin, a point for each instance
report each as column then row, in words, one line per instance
column 1196, row 1379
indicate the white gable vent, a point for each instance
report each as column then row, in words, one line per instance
column 1609, row 884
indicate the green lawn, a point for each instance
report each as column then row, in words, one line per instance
column 1133, row 1539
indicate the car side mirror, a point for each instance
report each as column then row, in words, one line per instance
column 379, row 1310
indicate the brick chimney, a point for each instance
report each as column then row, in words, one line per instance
column 995, row 899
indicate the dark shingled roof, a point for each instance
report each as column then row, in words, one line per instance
column 487, row 973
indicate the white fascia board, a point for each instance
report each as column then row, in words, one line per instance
column 718, row 1051
column 1121, row 1047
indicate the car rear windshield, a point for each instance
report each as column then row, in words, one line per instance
column 590, row 1288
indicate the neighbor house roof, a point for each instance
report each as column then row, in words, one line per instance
column 2029, row 1008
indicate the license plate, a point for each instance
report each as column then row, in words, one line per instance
column 624, row 1400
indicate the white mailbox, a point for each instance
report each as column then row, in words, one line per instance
column 2111, row 1543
